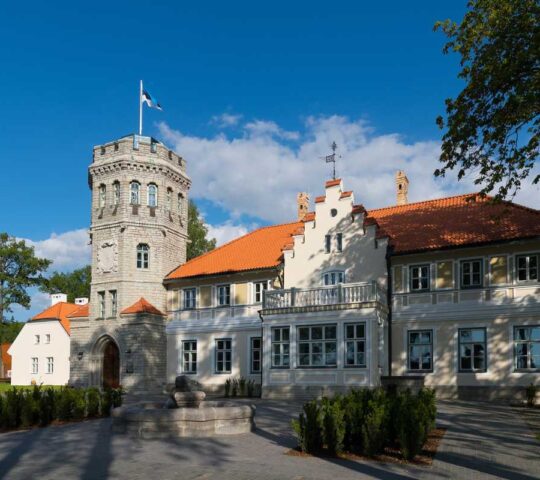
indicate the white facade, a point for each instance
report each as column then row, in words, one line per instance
column 40, row 354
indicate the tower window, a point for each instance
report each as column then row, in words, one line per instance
column 116, row 193
column 180, row 204
column 135, row 189
column 168, row 205
column 102, row 195
column 327, row 243
column 114, row 302
column 143, row 255
column 152, row 195
column 339, row 242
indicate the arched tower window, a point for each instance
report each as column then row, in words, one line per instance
column 180, row 204
column 135, row 193
column 152, row 195
column 116, row 193
column 102, row 195
column 168, row 205
column 143, row 255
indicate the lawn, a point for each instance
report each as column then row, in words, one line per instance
column 4, row 387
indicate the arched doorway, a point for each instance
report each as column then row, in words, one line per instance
column 111, row 365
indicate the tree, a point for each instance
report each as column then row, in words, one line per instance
column 74, row 284
column 19, row 270
column 197, row 232
column 493, row 125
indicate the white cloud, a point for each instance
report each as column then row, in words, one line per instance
column 259, row 171
column 228, row 231
column 226, row 120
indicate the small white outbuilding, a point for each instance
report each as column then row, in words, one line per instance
column 40, row 353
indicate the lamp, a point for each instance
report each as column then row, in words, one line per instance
column 80, row 355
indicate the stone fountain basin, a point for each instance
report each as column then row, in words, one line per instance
column 151, row 420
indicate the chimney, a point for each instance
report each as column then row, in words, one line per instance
column 402, row 187
column 302, row 200
column 58, row 297
column 81, row 301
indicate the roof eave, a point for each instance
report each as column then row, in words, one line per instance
column 222, row 274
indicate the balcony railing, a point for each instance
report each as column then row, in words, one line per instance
column 343, row 293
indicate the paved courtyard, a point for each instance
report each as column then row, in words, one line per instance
column 482, row 441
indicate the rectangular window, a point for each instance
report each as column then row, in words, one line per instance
column 223, row 355
column 35, row 365
column 333, row 278
column 527, row 267
column 114, row 302
column 419, row 278
column 339, row 242
column 50, row 365
column 190, row 298
column 36, row 339
column 224, row 295
column 317, row 346
column 48, row 338
column 280, row 347
column 189, row 350
column 472, row 350
column 116, row 192
column 527, row 348
column 260, row 288
column 101, row 303
column 420, row 350
column 471, row 273
column 255, row 355
column 355, row 345
column 327, row 243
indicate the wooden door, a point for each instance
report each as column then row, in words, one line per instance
column 111, row 366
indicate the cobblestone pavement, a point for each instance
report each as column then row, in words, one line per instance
column 482, row 441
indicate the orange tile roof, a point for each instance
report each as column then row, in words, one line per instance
column 320, row 199
column 6, row 357
column 59, row 311
column 454, row 222
column 259, row 249
column 333, row 183
column 345, row 194
column 141, row 306
column 81, row 312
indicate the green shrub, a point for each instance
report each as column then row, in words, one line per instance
column 12, row 408
column 117, row 397
column 228, row 387
column 250, row 388
column 242, row 386
column 333, row 424
column 92, row 402
column 30, row 410
column 412, row 426
column 106, row 402
column 308, row 428
column 234, row 387
column 426, row 397
column 373, row 428
column 354, row 405
column 47, row 406
column 64, row 404
column 78, row 403
column 530, row 393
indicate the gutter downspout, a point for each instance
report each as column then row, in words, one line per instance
column 389, row 302
column 262, row 341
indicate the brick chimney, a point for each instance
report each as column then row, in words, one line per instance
column 402, row 187
column 302, row 200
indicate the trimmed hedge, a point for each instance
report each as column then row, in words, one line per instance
column 366, row 421
column 40, row 406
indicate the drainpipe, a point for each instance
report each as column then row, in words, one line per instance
column 262, row 340
column 389, row 302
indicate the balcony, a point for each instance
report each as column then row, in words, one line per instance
column 343, row 295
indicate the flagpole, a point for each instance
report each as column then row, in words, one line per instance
column 140, row 108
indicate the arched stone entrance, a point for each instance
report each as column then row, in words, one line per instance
column 106, row 358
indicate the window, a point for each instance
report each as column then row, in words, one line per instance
column 48, row 338
column 180, row 204
column 255, row 355
column 419, row 277
column 280, row 347
column 527, row 348
column 327, row 243
column 333, row 278
column 168, row 204
column 224, row 295
column 420, row 349
column 114, row 302
column 223, row 355
column 143, row 254
column 527, row 267
column 116, row 193
column 190, row 298
column 135, row 189
column 152, row 195
column 471, row 273
column 50, row 364
column 339, row 242
column 317, row 346
column 35, row 365
column 472, row 350
column 260, row 288
column 101, row 302
column 355, row 345
column 189, row 348
column 36, row 339
column 102, row 195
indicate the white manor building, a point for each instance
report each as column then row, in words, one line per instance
column 446, row 291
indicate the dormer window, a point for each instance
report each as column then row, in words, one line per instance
column 102, row 195
column 333, row 278
column 135, row 188
column 152, row 195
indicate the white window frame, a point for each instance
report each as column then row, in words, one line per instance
column 252, row 351
column 226, row 296
column 189, row 298
column 355, row 341
column 50, row 365
column 258, row 290
column 101, row 304
column 152, row 195
column 333, row 277
column 225, row 352
column 34, row 365
column 47, row 338
column 527, row 257
column 143, row 256
column 529, row 342
column 102, row 195
column 410, row 345
column 116, row 193
column 311, row 342
column 462, row 273
column 135, row 193
column 113, row 294
column 280, row 352
column 189, row 357
column 471, row 344
column 420, row 277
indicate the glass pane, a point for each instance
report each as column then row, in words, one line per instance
column 330, row 347
column 465, row 335
column 360, row 331
column 465, row 363
column 285, row 348
column 478, row 335
column 304, row 359
column 360, row 359
column 330, row 332
column 285, row 334
column 277, row 335
column 534, row 348
column 317, row 347
column 522, row 262
column 303, row 347
column 276, row 361
column 303, row 333
column 522, row 333
column 286, row 360
column 413, row 337
column 256, row 342
column 479, row 363
column 228, row 344
column 535, row 333
column 360, row 346
column 535, row 361
column 349, row 357
column 317, row 359
column 521, row 349
column 521, row 362
column 349, row 331
column 331, row 358
column 316, row 333
column 425, row 337
column 478, row 350
column 465, row 351
column 426, row 361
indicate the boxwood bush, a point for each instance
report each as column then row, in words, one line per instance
column 366, row 421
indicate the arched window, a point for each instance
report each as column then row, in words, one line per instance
column 180, row 204
column 116, row 193
column 143, row 255
column 135, row 189
column 168, row 205
column 152, row 195
column 102, row 195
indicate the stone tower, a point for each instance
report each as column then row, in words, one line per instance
column 402, row 187
column 138, row 234
column 302, row 201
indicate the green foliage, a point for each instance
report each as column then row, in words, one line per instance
column 242, row 386
column 19, row 270
column 373, row 428
column 92, row 402
column 64, row 404
column 30, row 414
column 493, row 125
column 530, row 394
column 308, row 428
column 74, row 284
column 106, row 402
column 426, row 398
column 228, row 383
column 12, row 406
column 412, row 427
column 234, row 387
column 250, row 388
column 333, row 424
column 9, row 330
column 47, row 406
column 197, row 232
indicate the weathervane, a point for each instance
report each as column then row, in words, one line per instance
column 332, row 159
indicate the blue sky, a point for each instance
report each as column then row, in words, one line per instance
column 253, row 94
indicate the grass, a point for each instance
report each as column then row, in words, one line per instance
column 4, row 387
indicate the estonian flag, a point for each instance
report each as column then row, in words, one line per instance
column 150, row 101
